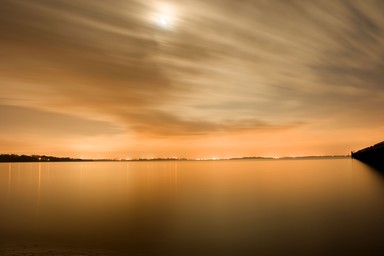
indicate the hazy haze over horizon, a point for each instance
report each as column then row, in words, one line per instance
column 118, row 79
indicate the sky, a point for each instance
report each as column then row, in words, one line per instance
column 190, row 78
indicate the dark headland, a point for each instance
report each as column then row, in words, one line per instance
column 373, row 155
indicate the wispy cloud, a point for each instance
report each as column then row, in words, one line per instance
column 222, row 67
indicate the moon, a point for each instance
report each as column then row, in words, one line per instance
column 163, row 21
column 164, row 16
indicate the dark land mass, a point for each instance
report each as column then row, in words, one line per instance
column 373, row 155
column 37, row 158
column 44, row 158
column 289, row 157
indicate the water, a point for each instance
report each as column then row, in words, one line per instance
column 253, row 207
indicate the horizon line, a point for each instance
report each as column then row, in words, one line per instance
column 45, row 158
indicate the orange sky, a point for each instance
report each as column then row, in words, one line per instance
column 190, row 78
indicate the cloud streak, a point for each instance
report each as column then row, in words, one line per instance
column 223, row 68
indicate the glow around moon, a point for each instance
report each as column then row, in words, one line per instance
column 164, row 16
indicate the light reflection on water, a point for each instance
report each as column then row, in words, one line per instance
column 270, row 207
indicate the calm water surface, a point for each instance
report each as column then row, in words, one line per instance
column 255, row 207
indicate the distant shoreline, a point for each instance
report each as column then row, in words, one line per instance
column 12, row 158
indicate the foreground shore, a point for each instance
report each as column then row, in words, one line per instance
column 39, row 249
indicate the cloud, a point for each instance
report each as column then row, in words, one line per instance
column 165, row 124
column 223, row 67
column 48, row 125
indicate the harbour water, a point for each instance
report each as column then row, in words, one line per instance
column 244, row 207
